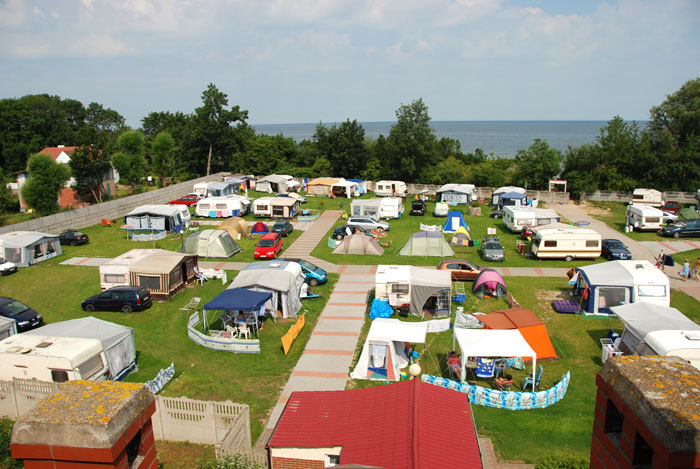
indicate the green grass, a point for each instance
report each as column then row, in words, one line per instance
column 56, row 291
column 565, row 428
column 403, row 228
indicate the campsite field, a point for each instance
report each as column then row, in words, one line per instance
column 56, row 292
column 403, row 228
column 565, row 428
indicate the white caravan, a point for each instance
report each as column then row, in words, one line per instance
column 560, row 241
column 262, row 207
column 518, row 217
column 644, row 218
column 217, row 207
column 115, row 272
column 647, row 197
column 390, row 188
column 200, row 188
column 387, row 208
column 56, row 359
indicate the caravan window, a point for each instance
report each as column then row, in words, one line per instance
column 278, row 211
column 221, row 206
column 653, row 220
column 204, row 206
column 50, row 249
column 149, row 282
column 90, row 367
column 13, row 255
column 37, row 251
column 399, row 288
column 114, row 278
column 592, row 243
column 550, row 243
column 657, row 291
column 59, row 376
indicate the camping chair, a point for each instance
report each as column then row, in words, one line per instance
column 243, row 330
column 538, row 376
column 501, row 367
column 485, row 367
column 194, row 302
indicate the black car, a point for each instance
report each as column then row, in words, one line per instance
column 126, row 299
column 417, row 208
column 683, row 228
column 25, row 317
column 74, row 238
column 283, row 228
column 496, row 213
column 342, row 231
column 614, row 249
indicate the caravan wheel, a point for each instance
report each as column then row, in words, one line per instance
column 568, row 258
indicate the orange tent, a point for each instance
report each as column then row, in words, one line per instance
column 529, row 325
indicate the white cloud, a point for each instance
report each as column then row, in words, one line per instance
column 12, row 13
column 98, row 46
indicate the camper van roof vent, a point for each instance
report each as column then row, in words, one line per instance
column 274, row 266
column 44, row 344
column 639, row 266
column 692, row 335
column 15, row 349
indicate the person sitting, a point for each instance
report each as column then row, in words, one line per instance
column 240, row 319
column 454, row 364
column 504, row 383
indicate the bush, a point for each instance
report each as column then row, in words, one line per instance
column 6, row 461
column 238, row 461
column 561, row 462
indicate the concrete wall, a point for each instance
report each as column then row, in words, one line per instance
column 612, row 196
column 113, row 209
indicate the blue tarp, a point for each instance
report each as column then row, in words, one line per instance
column 380, row 309
column 238, row 299
column 512, row 195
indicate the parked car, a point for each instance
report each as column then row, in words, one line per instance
column 269, row 246
column 283, row 228
column 417, row 208
column 672, row 207
column 313, row 273
column 125, row 299
column 492, row 250
column 74, row 238
column 526, row 233
column 669, row 218
column 293, row 195
column 683, row 228
column 7, row 267
column 25, row 317
column 614, row 249
column 460, row 269
column 189, row 199
column 342, row 231
column 368, row 223
column 498, row 213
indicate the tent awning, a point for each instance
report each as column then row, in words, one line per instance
column 642, row 318
column 398, row 331
column 238, row 299
column 492, row 343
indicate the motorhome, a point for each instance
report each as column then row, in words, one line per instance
column 55, row 359
column 224, row 188
column 560, row 241
column 644, row 218
column 262, row 207
column 217, row 207
column 647, row 197
column 390, row 189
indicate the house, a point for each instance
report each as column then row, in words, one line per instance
column 400, row 425
column 68, row 197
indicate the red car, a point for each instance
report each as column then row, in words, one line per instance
column 185, row 200
column 672, row 207
column 269, row 246
column 526, row 233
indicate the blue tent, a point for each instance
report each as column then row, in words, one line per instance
column 454, row 220
column 238, row 299
column 510, row 198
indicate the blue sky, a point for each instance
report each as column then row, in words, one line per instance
column 330, row 60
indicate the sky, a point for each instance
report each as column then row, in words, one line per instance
column 310, row 61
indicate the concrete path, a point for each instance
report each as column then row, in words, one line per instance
column 671, row 247
column 313, row 235
column 86, row 261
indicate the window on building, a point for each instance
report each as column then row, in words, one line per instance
column 643, row 454
column 613, row 423
column 332, row 460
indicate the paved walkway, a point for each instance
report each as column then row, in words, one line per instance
column 310, row 238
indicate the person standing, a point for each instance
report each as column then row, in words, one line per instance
column 697, row 270
column 661, row 260
column 686, row 270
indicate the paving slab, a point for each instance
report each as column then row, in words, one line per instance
column 324, row 363
column 86, row 261
column 340, row 326
column 330, row 342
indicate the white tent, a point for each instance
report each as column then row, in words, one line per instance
column 155, row 217
column 456, row 193
column 282, row 279
column 492, row 343
column 210, row 243
column 385, row 351
column 25, row 248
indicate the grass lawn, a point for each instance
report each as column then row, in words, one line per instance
column 56, row 291
column 403, row 228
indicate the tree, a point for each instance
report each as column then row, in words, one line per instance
column 212, row 121
column 6, row 199
column 343, row 146
column 321, row 167
column 537, row 165
column 163, row 161
column 88, row 166
column 129, row 161
column 411, row 141
column 46, row 179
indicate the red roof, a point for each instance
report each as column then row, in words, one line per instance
column 54, row 152
column 409, row 424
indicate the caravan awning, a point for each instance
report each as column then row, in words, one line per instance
column 642, row 318
column 398, row 331
column 238, row 299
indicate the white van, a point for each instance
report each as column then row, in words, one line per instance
column 390, row 188
column 262, row 207
column 560, row 241
column 516, row 218
column 644, row 218
column 55, row 359
column 217, row 207
column 647, row 197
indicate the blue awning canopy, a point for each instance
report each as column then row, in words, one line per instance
column 512, row 195
column 238, row 299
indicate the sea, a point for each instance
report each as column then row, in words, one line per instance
column 500, row 138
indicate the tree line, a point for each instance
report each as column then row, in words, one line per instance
column 663, row 154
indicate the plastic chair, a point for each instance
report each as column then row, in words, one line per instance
column 538, row 376
column 501, row 367
column 243, row 330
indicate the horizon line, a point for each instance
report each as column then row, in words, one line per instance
column 434, row 120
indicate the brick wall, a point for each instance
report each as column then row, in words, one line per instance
column 288, row 463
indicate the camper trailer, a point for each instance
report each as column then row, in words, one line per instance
column 386, row 207
column 262, row 207
column 55, row 359
column 390, row 189
column 115, row 272
column 647, row 197
column 496, row 195
column 200, row 188
column 217, row 207
column 644, row 218
column 516, row 218
column 224, row 188
column 414, row 290
column 560, row 241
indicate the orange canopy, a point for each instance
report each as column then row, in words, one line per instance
column 530, row 326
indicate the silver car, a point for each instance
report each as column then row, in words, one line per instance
column 368, row 223
column 492, row 250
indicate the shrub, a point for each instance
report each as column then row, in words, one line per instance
column 561, row 462
column 6, row 461
column 238, row 461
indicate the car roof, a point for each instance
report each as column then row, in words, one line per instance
column 269, row 235
column 123, row 287
column 448, row 261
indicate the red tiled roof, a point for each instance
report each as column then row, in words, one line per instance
column 409, row 424
column 54, row 152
